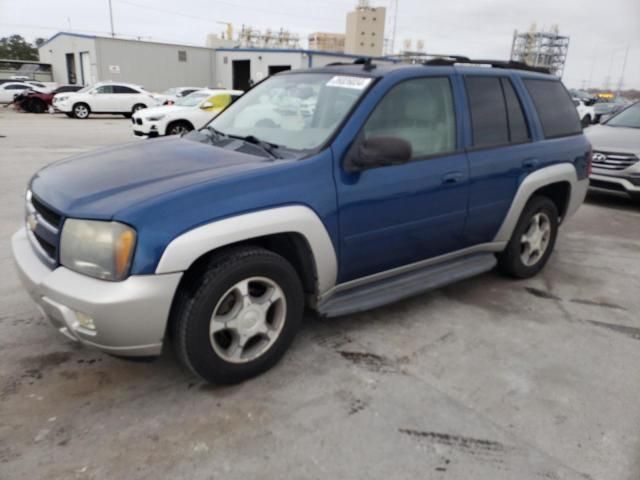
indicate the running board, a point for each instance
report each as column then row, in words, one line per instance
column 407, row 284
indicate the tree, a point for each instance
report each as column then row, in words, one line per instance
column 17, row 48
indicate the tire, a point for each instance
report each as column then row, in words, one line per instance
column 586, row 121
column 81, row 111
column 519, row 259
column 37, row 106
column 178, row 127
column 70, row 115
column 212, row 349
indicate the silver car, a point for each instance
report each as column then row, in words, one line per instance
column 616, row 153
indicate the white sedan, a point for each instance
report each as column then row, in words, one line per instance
column 111, row 98
column 190, row 113
column 9, row 90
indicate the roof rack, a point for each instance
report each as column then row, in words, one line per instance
column 366, row 61
column 454, row 59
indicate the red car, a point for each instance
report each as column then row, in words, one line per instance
column 39, row 102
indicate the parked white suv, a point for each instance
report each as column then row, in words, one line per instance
column 191, row 112
column 124, row 98
column 586, row 112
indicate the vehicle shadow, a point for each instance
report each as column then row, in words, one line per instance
column 607, row 200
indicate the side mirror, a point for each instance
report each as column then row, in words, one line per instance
column 378, row 152
column 206, row 105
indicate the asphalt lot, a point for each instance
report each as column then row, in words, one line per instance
column 486, row 379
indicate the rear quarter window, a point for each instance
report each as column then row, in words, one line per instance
column 555, row 108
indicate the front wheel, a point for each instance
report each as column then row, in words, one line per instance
column 236, row 317
column 81, row 111
column 137, row 106
column 586, row 121
column 533, row 239
column 179, row 128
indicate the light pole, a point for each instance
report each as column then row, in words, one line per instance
column 111, row 18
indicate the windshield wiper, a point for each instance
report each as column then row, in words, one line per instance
column 266, row 146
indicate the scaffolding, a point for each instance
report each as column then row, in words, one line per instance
column 541, row 49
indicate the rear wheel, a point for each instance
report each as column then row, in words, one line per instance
column 236, row 318
column 533, row 239
column 586, row 121
column 179, row 127
column 81, row 111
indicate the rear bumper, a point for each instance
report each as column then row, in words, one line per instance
column 130, row 317
column 610, row 183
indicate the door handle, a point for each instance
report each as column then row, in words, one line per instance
column 452, row 178
column 530, row 163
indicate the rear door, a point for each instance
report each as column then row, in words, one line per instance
column 500, row 152
column 400, row 214
column 125, row 98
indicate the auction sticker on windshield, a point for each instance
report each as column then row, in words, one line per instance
column 343, row 81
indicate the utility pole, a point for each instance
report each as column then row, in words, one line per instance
column 624, row 67
column 111, row 18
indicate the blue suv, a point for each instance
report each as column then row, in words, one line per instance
column 338, row 189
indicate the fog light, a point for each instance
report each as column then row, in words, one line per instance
column 85, row 321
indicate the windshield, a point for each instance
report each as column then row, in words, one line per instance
column 85, row 89
column 193, row 99
column 296, row 111
column 629, row 117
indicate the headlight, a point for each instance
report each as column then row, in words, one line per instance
column 60, row 99
column 96, row 248
column 154, row 118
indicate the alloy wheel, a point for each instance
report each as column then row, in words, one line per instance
column 247, row 319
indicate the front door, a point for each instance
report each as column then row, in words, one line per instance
column 396, row 215
column 103, row 99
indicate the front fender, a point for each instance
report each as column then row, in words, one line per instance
column 188, row 247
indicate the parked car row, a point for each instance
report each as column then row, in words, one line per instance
column 190, row 112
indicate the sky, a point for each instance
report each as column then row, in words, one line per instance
column 601, row 32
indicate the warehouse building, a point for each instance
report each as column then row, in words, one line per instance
column 239, row 68
column 85, row 59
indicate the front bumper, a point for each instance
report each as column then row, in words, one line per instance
column 615, row 184
column 130, row 317
column 142, row 128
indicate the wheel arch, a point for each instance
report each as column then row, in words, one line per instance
column 179, row 120
column 294, row 232
column 559, row 182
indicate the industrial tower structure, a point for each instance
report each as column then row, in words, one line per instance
column 541, row 48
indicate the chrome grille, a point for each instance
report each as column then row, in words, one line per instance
column 613, row 161
column 43, row 228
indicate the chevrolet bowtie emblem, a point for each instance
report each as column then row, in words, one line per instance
column 32, row 222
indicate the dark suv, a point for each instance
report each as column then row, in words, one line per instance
column 340, row 189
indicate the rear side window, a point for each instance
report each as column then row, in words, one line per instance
column 518, row 130
column 555, row 108
column 488, row 111
column 123, row 89
column 497, row 117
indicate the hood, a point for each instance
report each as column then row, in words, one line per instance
column 102, row 183
column 162, row 110
column 614, row 139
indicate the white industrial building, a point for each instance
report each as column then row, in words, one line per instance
column 86, row 59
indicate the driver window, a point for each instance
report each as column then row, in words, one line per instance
column 419, row 111
column 104, row 89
